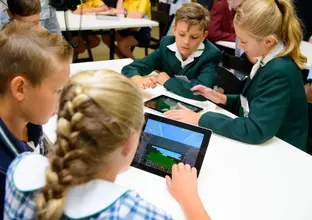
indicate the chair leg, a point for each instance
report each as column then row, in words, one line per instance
column 146, row 51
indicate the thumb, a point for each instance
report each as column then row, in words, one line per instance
column 168, row 181
column 182, row 107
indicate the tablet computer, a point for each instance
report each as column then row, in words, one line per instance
column 164, row 103
column 165, row 142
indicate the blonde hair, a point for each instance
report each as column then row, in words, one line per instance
column 32, row 51
column 262, row 18
column 98, row 111
column 193, row 14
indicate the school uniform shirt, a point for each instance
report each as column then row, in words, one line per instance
column 97, row 199
column 142, row 6
column 221, row 26
column 272, row 103
column 199, row 68
column 10, row 147
column 48, row 18
column 91, row 4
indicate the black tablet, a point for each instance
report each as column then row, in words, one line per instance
column 165, row 142
column 164, row 103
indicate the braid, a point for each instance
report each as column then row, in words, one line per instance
column 60, row 176
column 94, row 120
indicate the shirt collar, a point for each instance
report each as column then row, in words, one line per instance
column 273, row 53
column 34, row 135
column 82, row 201
column 198, row 52
column 261, row 62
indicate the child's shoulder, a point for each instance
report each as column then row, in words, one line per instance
column 210, row 48
column 166, row 40
column 132, row 206
column 283, row 66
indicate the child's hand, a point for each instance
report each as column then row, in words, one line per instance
column 183, row 187
column 183, row 114
column 145, row 82
column 162, row 78
column 115, row 11
column 210, row 94
column 183, row 184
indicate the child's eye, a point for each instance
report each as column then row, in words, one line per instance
column 182, row 35
column 194, row 38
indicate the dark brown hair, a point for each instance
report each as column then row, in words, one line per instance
column 24, row 7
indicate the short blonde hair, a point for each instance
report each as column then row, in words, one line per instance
column 99, row 110
column 30, row 50
column 262, row 18
column 193, row 14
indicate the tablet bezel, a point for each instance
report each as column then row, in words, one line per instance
column 178, row 101
column 202, row 150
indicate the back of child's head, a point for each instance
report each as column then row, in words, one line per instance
column 31, row 51
column 99, row 111
column 193, row 14
column 262, row 18
column 24, row 7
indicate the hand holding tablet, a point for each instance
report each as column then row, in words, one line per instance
column 165, row 142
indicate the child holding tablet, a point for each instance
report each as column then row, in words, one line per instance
column 273, row 101
column 94, row 143
column 185, row 60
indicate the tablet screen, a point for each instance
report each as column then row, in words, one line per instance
column 164, row 103
column 165, row 142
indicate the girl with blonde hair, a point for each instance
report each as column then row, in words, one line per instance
column 98, row 131
column 273, row 100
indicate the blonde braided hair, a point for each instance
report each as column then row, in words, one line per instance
column 98, row 111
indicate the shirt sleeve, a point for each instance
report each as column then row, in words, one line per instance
column 267, row 113
column 144, row 6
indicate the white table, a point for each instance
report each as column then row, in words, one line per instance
column 100, row 22
column 238, row 181
column 305, row 48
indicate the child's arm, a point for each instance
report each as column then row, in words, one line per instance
column 206, row 77
column 144, row 66
column 183, row 187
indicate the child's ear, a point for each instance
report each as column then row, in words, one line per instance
column 174, row 27
column 17, row 87
column 269, row 41
column 130, row 144
column 205, row 35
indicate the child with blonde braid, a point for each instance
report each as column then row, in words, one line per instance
column 94, row 143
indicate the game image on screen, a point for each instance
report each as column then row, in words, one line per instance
column 163, row 145
column 164, row 103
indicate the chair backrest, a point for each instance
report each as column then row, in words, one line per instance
column 241, row 64
column 206, row 3
column 228, row 81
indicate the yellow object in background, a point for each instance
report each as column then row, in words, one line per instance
column 91, row 4
column 143, row 6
